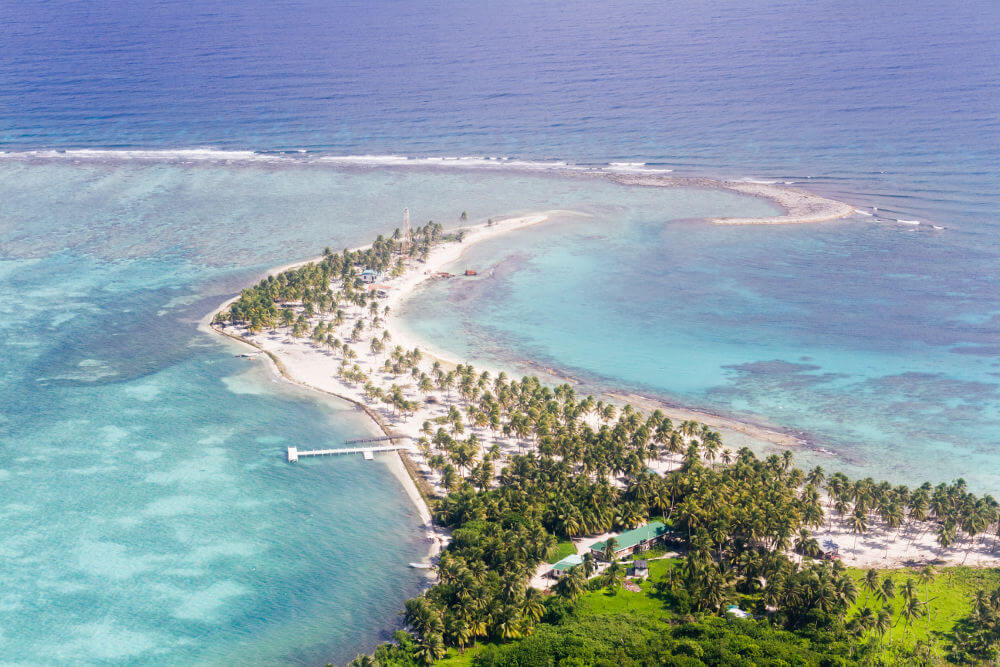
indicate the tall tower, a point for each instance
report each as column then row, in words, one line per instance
column 407, row 232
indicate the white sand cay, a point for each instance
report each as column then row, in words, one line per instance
column 304, row 362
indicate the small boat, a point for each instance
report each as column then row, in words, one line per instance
column 470, row 272
column 421, row 566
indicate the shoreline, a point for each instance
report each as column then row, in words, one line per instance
column 394, row 460
column 302, row 371
column 441, row 257
column 303, row 362
column 411, row 279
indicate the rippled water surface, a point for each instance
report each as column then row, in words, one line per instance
column 148, row 515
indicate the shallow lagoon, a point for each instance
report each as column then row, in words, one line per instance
column 874, row 343
column 149, row 515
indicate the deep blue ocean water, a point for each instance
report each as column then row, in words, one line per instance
column 148, row 514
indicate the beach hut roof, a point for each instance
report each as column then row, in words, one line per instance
column 568, row 562
column 631, row 538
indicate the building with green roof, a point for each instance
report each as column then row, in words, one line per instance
column 566, row 564
column 636, row 540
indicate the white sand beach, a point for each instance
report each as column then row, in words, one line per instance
column 304, row 362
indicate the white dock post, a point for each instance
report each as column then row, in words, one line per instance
column 293, row 454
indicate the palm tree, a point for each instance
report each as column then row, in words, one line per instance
column 430, row 649
column 571, row 584
column 859, row 525
column 816, row 477
column 864, row 622
column 893, row 517
column 883, row 624
column 910, row 611
column 908, row 589
column 711, row 444
column 613, row 576
column 661, row 499
column 610, row 550
column 945, row 535
column 887, row 592
column 870, row 583
column 806, row 545
column 588, row 565
column 462, row 633
column 509, row 626
column 926, row 575
column 533, row 607
column 976, row 521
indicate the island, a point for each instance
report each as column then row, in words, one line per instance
column 533, row 495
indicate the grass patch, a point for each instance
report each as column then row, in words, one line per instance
column 455, row 658
column 647, row 602
column 603, row 602
column 563, row 548
column 951, row 596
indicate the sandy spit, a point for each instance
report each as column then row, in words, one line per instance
column 800, row 206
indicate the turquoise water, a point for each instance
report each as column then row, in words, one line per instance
column 873, row 343
column 875, row 340
column 148, row 513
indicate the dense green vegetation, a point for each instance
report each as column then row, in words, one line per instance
column 602, row 621
column 259, row 307
column 735, row 522
column 743, row 524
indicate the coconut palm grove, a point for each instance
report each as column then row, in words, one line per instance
column 741, row 528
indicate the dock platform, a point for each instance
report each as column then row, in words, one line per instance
column 294, row 453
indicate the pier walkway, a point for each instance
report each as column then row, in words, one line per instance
column 368, row 452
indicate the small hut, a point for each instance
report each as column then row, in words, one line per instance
column 565, row 565
column 639, row 569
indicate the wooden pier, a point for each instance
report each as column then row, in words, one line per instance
column 294, row 454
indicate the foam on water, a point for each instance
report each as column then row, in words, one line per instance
column 221, row 156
